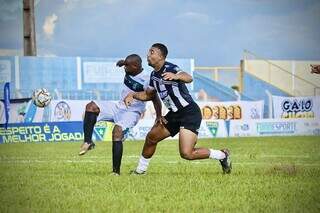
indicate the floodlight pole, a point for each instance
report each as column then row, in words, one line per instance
column 242, row 69
column 29, row 32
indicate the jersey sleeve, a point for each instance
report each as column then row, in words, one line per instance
column 176, row 69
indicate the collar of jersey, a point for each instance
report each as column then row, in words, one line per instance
column 162, row 68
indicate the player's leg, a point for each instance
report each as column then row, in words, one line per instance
column 90, row 118
column 190, row 119
column 157, row 133
column 187, row 142
column 124, row 120
column 117, row 148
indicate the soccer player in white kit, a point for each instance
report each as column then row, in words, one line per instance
column 124, row 118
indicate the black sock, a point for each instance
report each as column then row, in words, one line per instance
column 90, row 119
column 117, row 149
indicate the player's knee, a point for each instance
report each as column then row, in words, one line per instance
column 92, row 107
column 151, row 138
column 186, row 155
column 117, row 133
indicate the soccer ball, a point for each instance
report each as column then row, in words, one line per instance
column 41, row 97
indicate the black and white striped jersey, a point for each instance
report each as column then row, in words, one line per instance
column 174, row 94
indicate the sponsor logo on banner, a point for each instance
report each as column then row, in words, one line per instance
column 213, row 127
column 41, row 132
column 313, row 125
column 254, row 113
column 62, row 111
column 297, row 108
column 100, row 131
column 222, row 112
column 245, row 127
column 268, row 127
column 103, row 131
column 231, row 110
column 138, row 133
column 276, row 128
column 240, row 129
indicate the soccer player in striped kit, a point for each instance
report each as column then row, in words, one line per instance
column 184, row 116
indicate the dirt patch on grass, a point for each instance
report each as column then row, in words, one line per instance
column 287, row 169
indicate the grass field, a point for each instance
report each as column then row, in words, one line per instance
column 275, row 174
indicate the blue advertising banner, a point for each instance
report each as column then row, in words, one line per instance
column 52, row 132
column 41, row 132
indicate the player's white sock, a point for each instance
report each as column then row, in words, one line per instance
column 142, row 165
column 217, row 154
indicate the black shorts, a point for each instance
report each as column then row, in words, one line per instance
column 188, row 118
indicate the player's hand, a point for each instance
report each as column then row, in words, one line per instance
column 121, row 63
column 170, row 76
column 160, row 120
column 128, row 99
column 315, row 69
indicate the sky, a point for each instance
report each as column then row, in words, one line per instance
column 213, row 32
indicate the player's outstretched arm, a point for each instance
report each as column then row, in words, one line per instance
column 146, row 95
column 181, row 76
column 121, row 63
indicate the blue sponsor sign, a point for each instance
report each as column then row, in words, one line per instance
column 42, row 132
column 68, row 131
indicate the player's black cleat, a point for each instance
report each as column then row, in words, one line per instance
column 134, row 172
column 85, row 147
column 226, row 163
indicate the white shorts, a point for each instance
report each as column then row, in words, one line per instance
column 110, row 111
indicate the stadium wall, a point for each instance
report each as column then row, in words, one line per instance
column 292, row 77
column 72, row 131
column 220, row 119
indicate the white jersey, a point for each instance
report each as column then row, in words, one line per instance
column 135, row 83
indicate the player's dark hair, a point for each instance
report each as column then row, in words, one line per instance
column 135, row 57
column 163, row 49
